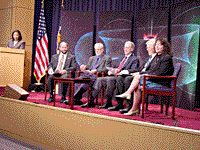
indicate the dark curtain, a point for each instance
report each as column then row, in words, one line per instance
column 125, row 5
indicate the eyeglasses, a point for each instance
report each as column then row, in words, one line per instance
column 99, row 49
column 128, row 47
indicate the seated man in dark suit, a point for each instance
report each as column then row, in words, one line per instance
column 122, row 84
column 96, row 64
column 125, row 65
column 60, row 66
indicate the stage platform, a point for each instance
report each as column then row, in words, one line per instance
column 44, row 126
column 184, row 118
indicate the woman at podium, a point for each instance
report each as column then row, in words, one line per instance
column 16, row 41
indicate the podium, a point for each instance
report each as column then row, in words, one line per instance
column 11, row 66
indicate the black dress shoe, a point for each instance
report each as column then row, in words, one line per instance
column 66, row 102
column 50, row 99
column 116, row 107
column 105, row 105
column 91, row 105
column 76, row 102
column 62, row 99
column 125, row 110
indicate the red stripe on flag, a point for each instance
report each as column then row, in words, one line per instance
column 43, row 50
column 46, row 43
column 39, row 51
column 38, row 65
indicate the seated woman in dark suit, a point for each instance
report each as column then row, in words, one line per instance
column 16, row 41
column 161, row 65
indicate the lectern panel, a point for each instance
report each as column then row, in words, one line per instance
column 11, row 66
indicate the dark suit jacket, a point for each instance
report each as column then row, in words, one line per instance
column 101, row 67
column 18, row 45
column 142, row 65
column 131, row 64
column 162, row 66
column 70, row 62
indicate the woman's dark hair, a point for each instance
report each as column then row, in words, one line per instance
column 20, row 36
column 166, row 46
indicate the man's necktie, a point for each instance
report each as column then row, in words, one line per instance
column 95, row 63
column 61, row 63
column 122, row 63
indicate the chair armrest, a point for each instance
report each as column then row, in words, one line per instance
column 156, row 76
column 79, row 73
column 101, row 74
column 71, row 74
column 174, row 78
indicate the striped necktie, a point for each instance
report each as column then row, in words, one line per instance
column 122, row 63
column 61, row 63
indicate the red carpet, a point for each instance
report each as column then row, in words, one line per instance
column 184, row 118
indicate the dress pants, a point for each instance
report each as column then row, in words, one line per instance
column 81, row 88
column 108, row 82
column 122, row 85
column 50, row 83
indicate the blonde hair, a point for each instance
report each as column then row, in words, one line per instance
column 151, row 41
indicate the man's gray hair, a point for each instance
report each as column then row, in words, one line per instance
column 132, row 44
column 99, row 44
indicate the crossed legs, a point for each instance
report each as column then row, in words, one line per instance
column 134, row 87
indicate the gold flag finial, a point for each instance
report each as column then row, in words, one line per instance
column 63, row 4
column 42, row 3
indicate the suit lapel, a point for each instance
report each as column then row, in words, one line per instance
column 66, row 60
column 102, row 59
column 57, row 59
column 152, row 63
column 127, row 61
column 149, row 62
column 92, row 62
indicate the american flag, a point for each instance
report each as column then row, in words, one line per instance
column 42, row 53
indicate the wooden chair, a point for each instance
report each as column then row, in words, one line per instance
column 71, row 75
column 164, row 91
column 99, row 74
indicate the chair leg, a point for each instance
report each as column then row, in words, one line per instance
column 173, row 105
column 124, row 103
column 102, row 95
column 97, row 100
column 45, row 91
column 143, row 100
column 147, row 102
column 167, row 106
column 161, row 108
